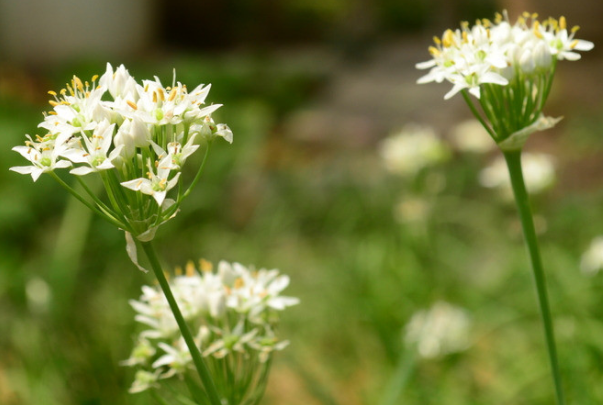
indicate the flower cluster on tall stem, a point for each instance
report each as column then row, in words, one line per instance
column 509, row 69
column 136, row 137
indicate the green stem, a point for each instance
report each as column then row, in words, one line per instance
column 399, row 379
column 513, row 159
column 208, row 382
column 476, row 113
column 199, row 173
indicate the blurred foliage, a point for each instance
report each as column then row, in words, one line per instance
column 323, row 215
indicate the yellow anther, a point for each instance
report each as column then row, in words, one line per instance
column 206, row 266
column 239, row 283
column 562, row 23
column 139, row 183
column 486, row 23
column 52, row 93
column 94, row 78
column 465, row 37
column 86, row 84
column 132, row 104
column 178, row 270
column 574, row 44
column 161, row 94
column 521, row 21
column 154, row 96
column 498, row 18
column 63, row 92
column 448, row 38
column 525, row 14
column 434, row 51
column 534, row 16
column 536, row 30
column 53, row 103
column 78, row 83
column 190, row 268
column 52, row 113
column 575, row 28
column 173, row 94
column 437, row 40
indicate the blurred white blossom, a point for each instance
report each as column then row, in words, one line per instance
column 232, row 311
column 592, row 260
column 414, row 147
column 538, row 173
column 440, row 330
column 470, row 136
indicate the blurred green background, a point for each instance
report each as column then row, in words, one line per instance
column 310, row 88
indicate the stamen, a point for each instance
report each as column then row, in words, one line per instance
column 190, row 268
column 562, row 23
column 52, row 93
column 132, row 104
column 206, row 266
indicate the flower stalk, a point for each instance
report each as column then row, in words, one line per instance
column 513, row 159
column 207, row 380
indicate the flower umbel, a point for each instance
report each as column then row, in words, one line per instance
column 234, row 313
column 135, row 136
column 508, row 67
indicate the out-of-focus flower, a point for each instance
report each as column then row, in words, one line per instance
column 538, row 172
column 470, row 136
column 412, row 210
column 411, row 149
column 440, row 330
column 234, row 310
column 592, row 260
column 508, row 66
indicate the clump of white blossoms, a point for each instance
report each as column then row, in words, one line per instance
column 413, row 148
column 233, row 311
column 538, row 171
column 507, row 67
column 591, row 261
column 440, row 330
column 135, row 136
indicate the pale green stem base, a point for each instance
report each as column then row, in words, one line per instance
column 399, row 379
column 513, row 159
column 206, row 379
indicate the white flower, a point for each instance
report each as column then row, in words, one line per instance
column 94, row 154
column 144, row 380
column 470, row 136
column 492, row 52
column 410, row 150
column 440, row 330
column 234, row 311
column 592, row 260
column 45, row 157
column 157, row 185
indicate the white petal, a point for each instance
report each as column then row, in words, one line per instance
column 81, row 171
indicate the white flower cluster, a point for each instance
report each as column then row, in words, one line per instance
column 136, row 136
column 233, row 312
column 496, row 52
column 414, row 147
column 591, row 261
column 440, row 330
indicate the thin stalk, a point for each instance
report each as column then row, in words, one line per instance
column 513, row 159
column 399, row 379
column 206, row 379
column 476, row 113
column 199, row 173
